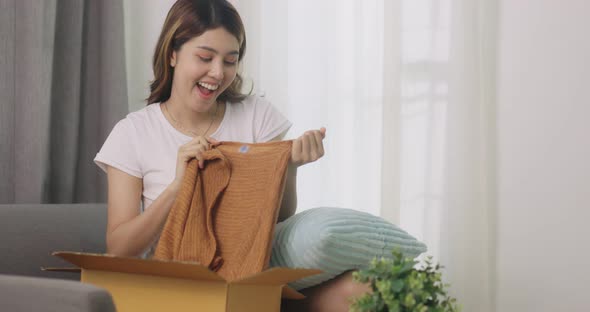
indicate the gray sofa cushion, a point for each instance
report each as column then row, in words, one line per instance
column 44, row 294
column 29, row 233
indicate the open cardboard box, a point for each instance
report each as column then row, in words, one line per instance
column 153, row 285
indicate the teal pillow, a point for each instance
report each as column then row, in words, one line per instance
column 336, row 240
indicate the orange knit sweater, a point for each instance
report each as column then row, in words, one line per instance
column 224, row 214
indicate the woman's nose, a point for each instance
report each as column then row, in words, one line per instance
column 216, row 71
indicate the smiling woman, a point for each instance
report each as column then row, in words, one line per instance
column 194, row 103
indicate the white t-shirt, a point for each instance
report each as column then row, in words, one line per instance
column 145, row 144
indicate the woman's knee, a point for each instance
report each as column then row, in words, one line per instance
column 334, row 295
column 342, row 291
column 351, row 289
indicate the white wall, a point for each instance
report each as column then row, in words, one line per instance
column 544, row 156
column 143, row 23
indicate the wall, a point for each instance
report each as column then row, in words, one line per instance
column 544, row 156
column 143, row 23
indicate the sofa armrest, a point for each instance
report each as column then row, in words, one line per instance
column 20, row 293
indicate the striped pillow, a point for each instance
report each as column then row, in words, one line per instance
column 336, row 240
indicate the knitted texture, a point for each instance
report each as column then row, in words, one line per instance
column 224, row 214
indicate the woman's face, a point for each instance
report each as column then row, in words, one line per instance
column 204, row 67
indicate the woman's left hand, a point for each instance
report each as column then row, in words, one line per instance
column 308, row 148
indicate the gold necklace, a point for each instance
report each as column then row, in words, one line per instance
column 194, row 133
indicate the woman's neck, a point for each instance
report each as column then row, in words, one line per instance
column 190, row 122
column 187, row 117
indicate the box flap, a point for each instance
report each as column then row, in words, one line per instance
column 73, row 270
column 277, row 276
column 290, row 293
column 253, row 298
column 104, row 262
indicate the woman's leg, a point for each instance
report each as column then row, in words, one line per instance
column 334, row 295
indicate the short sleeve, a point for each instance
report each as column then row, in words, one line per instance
column 120, row 150
column 269, row 122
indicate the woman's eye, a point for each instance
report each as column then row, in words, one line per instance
column 230, row 62
column 205, row 59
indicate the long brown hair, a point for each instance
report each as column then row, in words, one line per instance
column 188, row 19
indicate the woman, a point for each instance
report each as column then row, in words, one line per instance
column 194, row 103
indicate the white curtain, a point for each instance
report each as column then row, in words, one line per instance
column 406, row 90
column 447, row 139
column 321, row 63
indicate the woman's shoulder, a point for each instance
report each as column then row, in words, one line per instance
column 143, row 117
column 144, row 113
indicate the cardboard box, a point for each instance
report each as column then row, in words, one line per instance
column 152, row 285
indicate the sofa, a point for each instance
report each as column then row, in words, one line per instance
column 29, row 233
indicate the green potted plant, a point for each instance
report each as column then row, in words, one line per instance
column 398, row 285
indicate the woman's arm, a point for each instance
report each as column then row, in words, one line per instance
column 289, row 202
column 129, row 233
column 307, row 148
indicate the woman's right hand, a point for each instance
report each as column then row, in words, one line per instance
column 193, row 149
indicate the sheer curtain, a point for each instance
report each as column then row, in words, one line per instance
column 447, row 139
column 321, row 63
column 406, row 90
